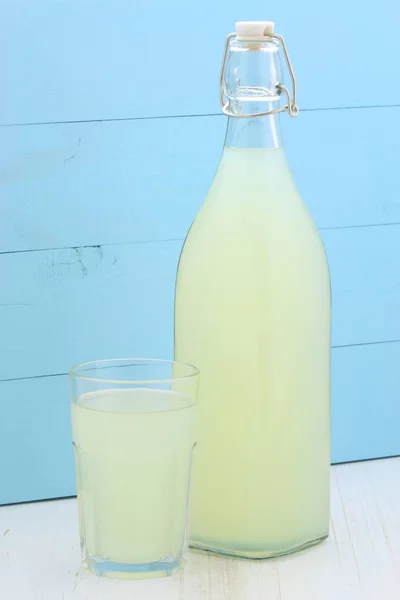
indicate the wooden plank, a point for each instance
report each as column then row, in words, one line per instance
column 365, row 274
column 74, row 60
column 36, row 458
column 102, row 183
column 342, row 163
column 65, row 306
column 365, row 417
column 365, row 406
column 39, row 555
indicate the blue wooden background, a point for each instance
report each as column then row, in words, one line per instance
column 110, row 133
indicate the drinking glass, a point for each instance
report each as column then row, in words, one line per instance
column 133, row 438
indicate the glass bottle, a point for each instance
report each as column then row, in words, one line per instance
column 252, row 312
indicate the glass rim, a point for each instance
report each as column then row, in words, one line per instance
column 74, row 371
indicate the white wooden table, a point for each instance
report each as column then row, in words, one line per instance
column 39, row 554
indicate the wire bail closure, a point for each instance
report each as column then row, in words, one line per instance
column 291, row 105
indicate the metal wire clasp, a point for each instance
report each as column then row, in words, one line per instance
column 291, row 105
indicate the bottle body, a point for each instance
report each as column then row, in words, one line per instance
column 253, row 314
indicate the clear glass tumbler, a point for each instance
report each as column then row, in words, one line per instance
column 133, row 437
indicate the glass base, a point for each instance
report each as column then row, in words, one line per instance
column 255, row 554
column 104, row 567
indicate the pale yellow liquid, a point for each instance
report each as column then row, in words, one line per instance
column 253, row 314
column 133, row 450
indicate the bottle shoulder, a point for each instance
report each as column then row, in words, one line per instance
column 231, row 213
column 253, row 202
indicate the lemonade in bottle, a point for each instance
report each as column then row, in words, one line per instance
column 252, row 312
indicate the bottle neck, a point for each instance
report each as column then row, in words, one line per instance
column 250, row 83
column 256, row 132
